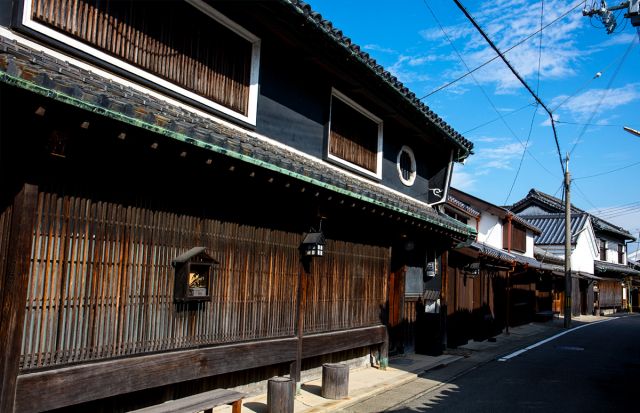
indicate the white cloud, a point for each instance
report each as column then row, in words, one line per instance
column 507, row 22
column 582, row 106
column 378, row 48
column 463, row 180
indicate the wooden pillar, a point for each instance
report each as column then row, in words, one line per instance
column 14, row 292
column 296, row 367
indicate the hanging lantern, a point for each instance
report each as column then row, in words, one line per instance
column 313, row 244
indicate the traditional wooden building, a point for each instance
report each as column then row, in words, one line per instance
column 203, row 194
column 494, row 281
column 598, row 253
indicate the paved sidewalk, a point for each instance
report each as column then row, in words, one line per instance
column 371, row 389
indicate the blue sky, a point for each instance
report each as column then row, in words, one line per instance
column 493, row 110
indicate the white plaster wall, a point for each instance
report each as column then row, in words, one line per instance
column 490, row 230
column 612, row 250
column 533, row 210
column 529, row 252
column 584, row 253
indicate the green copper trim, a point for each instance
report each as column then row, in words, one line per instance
column 61, row 97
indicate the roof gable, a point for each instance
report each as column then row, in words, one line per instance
column 554, row 205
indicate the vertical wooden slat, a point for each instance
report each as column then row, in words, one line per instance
column 14, row 287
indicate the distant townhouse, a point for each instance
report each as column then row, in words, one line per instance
column 494, row 281
column 601, row 276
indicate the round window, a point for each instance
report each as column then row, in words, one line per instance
column 406, row 166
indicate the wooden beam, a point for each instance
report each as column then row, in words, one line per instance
column 326, row 343
column 78, row 384
column 14, row 293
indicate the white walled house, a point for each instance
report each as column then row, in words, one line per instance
column 495, row 281
column 598, row 257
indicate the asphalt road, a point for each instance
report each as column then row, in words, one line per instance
column 591, row 369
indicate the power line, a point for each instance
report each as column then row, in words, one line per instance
column 590, row 124
column 607, row 172
column 583, row 195
column 515, row 178
column 484, row 93
column 517, row 75
column 496, row 57
column 604, row 94
column 497, row 119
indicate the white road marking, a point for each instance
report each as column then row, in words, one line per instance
column 539, row 343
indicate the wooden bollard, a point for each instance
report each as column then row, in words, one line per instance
column 335, row 381
column 280, row 395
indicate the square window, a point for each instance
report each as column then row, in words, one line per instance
column 355, row 136
column 209, row 59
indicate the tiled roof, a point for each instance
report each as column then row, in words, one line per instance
column 603, row 267
column 462, row 206
column 354, row 50
column 557, row 205
column 477, row 204
column 552, row 227
column 42, row 74
column 545, row 256
column 534, row 263
column 512, row 257
column 492, row 251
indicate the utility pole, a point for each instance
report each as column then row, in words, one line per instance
column 605, row 14
column 632, row 131
column 567, row 246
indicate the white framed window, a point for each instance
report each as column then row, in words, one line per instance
column 406, row 165
column 355, row 136
column 187, row 46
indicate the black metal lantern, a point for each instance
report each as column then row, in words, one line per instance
column 313, row 244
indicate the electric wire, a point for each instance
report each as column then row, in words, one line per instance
column 533, row 117
column 591, row 124
column 604, row 94
column 482, row 89
column 517, row 75
column 446, row 85
column 497, row 119
column 607, row 172
column 584, row 196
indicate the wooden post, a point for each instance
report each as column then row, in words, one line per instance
column 280, row 395
column 383, row 351
column 335, row 381
column 14, row 292
column 296, row 368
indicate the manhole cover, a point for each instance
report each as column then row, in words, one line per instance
column 570, row 348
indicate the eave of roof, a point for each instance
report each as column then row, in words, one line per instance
column 354, row 50
column 498, row 211
column 41, row 74
column 456, row 203
column 604, row 267
column 598, row 223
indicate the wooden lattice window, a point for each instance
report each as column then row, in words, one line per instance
column 518, row 238
column 355, row 136
column 172, row 40
column 603, row 250
column 620, row 254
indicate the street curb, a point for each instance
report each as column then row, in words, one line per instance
column 365, row 395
